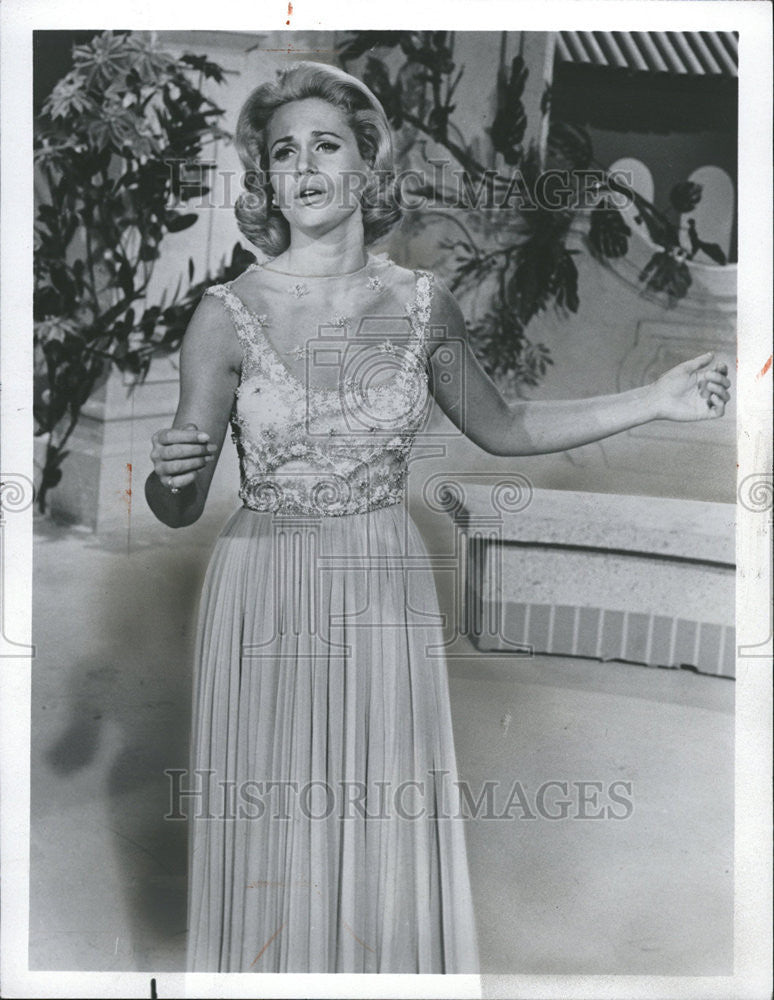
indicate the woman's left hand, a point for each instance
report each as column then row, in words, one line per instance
column 694, row 390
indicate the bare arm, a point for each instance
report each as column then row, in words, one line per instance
column 184, row 456
column 692, row 391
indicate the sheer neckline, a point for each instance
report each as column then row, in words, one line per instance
column 378, row 259
column 257, row 336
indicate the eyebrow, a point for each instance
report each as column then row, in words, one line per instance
column 316, row 133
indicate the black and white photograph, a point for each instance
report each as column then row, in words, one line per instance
column 386, row 500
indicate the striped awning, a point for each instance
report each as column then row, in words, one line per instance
column 694, row 53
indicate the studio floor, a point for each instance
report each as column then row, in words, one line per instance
column 558, row 889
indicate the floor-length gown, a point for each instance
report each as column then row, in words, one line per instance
column 327, row 835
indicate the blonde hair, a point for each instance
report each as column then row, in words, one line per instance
column 257, row 217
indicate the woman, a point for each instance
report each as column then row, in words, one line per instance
column 315, row 675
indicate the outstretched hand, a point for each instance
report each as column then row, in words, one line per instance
column 694, row 390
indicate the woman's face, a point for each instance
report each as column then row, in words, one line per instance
column 312, row 148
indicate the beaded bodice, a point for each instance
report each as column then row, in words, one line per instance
column 324, row 424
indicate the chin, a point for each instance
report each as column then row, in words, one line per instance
column 311, row 223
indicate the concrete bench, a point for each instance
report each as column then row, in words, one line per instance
column 640, row 579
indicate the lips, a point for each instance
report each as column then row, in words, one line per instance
column 312, row 198
column 311, row 192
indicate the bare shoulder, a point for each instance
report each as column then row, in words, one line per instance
column 403, row 275
column 250, row 289
column 245, row 282
column 210, row 338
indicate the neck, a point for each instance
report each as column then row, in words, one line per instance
column 340, row 251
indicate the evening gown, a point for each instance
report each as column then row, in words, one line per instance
column 328, row 834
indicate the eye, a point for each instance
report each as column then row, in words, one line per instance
column 284, row 151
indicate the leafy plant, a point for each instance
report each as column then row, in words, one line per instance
column 109, row 144
column 667, row 270
column 531, row 268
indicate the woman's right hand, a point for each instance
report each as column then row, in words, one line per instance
column 178, row 453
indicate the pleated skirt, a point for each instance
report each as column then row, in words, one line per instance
column 325, row 823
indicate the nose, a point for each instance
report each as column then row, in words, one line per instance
column 305, row 161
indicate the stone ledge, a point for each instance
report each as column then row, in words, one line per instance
column 640, row 579
column 691, row 529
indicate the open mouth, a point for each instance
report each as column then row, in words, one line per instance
column 312, row 196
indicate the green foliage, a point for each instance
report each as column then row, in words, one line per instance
column 510, row 120
column 667, row 272
column 108, row 147
column 532, row 268
column 608, row 233
column 535, row 270
column 685, row 196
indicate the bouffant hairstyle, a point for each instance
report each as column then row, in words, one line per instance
column 258, row 218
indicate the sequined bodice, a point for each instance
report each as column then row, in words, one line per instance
column 330, row 432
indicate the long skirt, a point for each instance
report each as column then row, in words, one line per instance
column 326, row 832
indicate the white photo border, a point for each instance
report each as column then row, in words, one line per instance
column 753, row 868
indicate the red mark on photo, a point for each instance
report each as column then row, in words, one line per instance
column 126, row 495
column 266, row 945
column 765, row 368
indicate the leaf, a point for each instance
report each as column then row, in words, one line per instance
column 608, row 233
column 714, row 252
column 569, row 146
column 50, row 478
column 566, row 277
column 149, row 251
column 126, row 279
column 210, row 69
column 177, row 223
column 659, row 230
column 53, row 351
column 685, row 196
column 69, row 96
column 507, row 132
column 365, row 41
column 665, row 273
column 515, row 85
column 377, row 78
column 437, row 122
column 148, row 320
column 104, row 58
